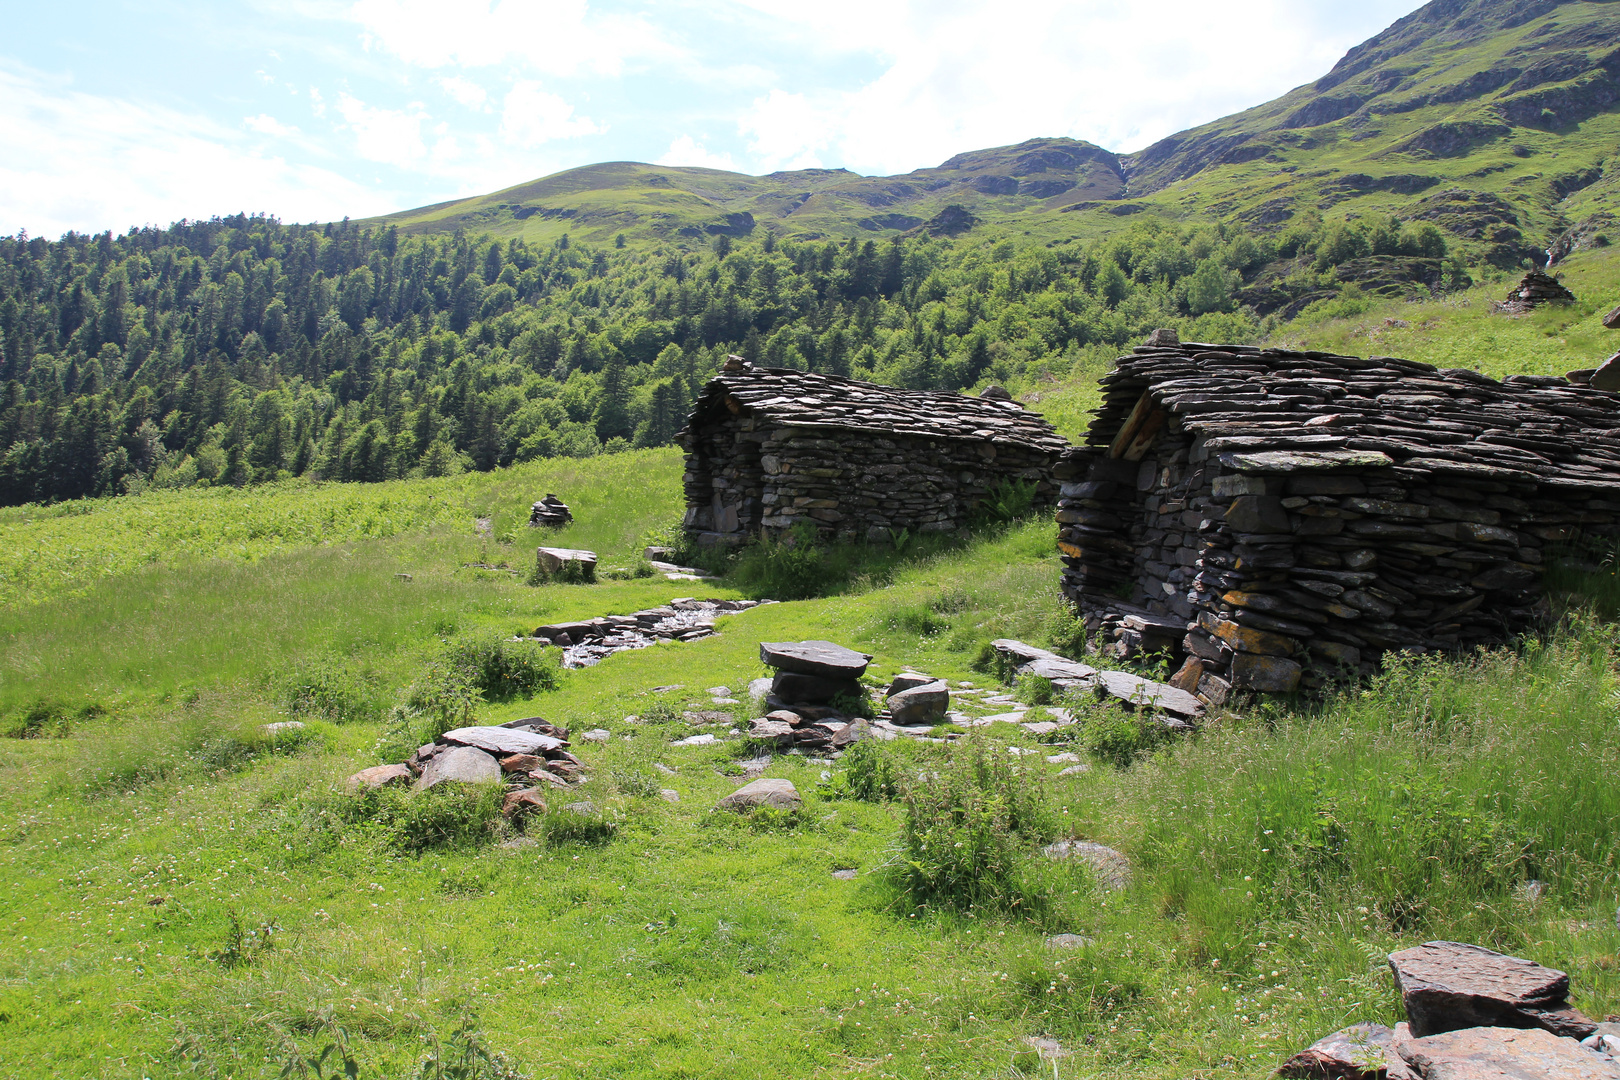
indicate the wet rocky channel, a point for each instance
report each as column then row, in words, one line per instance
column 588, row 642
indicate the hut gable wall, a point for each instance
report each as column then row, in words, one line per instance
column 770, row 449
column 1294, row 516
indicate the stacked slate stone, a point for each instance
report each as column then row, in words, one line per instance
column 770, row 448
column 550, row 512
column 1299, row 514
column 1534, row 290
column 587, row 641
column 812, row 677
column 527, row 756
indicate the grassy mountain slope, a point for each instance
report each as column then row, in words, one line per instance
column 1497, row 121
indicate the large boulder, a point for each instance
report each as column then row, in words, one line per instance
column 1497, row 1053
column 777, row 793
column 502, row 741
column 1447, row 986
column 1109, row 868
column 460, row 764
column 926, row 704
column 821, row 658
column 552, row 560
column 1359, row 1052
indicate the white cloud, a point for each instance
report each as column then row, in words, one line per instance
column 96, row 162
column 464, row 91
column 688, row 151
column 265, row 124
column 533, row 116
column 960, row 75
column 555, row 37
column 391, row 136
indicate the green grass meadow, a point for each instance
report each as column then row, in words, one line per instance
column 184, row 895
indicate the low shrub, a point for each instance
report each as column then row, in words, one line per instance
column 1035, row 690
column 337, row 692
column 1110, row 733
column 867, row 772
column 1008, row 501
column 571, row 572
column 791, row 567
column 501, row 669
column 449, row 815
column 579, row 826
column 46, row 718
column 967, row 829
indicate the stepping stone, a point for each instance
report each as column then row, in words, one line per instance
column 1004, row 718
column 460, row 764
column 1446, row 986
column 1361, row 1050
column 726, row 701
column 696, row 740
column 774, row 792
column 597, row 735
column 502, row 741
column 821, row 658
column 1060, row 759
column 1111, row 868
column 718, row 691
column 1043, row 727
column 1490, row 1053
column 378, row 776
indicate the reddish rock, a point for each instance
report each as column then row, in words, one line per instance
column 522, row 803
column 523, row 763
column 1359, row 1052
column 1446, row 986
column 1497, row 1053
column 379, row 776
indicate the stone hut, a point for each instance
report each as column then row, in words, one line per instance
column 1275, row 519
column 768, row 448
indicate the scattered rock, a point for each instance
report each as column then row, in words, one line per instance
column 759, row 689
column 845, row 875
column 523, row 802
column 522, row 763
column 597, row 735
column 774, row 792
column 1076, row 770
column 281, row 729
column 379, row 776
column 851, row 733
column 460, row 764
column 1110, row 868
column 552, row 560
column 1499, row 1053
column 1446, row 986
column 908, row 680
column 519, row 843
column 1046, row 1049
column 1359, row 1052
column 774, row 731
column 822, row 658
column 1064, row 758
column 696, row 740
column 665, row 769
column 584, row 809
column 669, row 795
column 1069, row 941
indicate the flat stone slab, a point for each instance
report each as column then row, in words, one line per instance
column 460, row 764
column 908, row 680
column 502, row 741
column 597, row 735
column 1359, row 1052
column 378, row 776
column 696, row 740
column 766, row 791
column 1446, row 985
column 1076, row 770
column 1497, row 1053
column 1111, row 868
column 1135, row 690
column 553, row 559
column 821, row 658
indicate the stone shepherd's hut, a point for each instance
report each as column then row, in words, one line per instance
column 1275, row 518
column 768, row 448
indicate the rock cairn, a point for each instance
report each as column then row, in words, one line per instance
column 1535, row 289
column 800, row 712
column 529, row 756
column 550, row 513
column 1471, row 1013
column 1271, row 519
column 587, row 642
column 770, row 448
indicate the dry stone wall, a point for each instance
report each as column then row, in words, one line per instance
column 1274, row 520
column 768, row 449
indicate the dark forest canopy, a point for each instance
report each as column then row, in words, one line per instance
column 239, row 350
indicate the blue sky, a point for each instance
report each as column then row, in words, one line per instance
column 114, row 114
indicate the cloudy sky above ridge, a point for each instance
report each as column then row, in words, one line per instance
column 115, row 114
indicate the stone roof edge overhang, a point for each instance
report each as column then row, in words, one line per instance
column 1249, row 436
column 973, row 413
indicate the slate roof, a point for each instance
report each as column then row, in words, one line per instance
column 801, row 399
column 1272, row 410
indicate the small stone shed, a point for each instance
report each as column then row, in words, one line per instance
column 1274, row 519
column 768, row 448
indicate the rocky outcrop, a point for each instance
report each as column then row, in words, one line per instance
column 1445, row 985
column 769, row 449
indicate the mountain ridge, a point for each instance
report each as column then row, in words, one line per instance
column 1455, row 114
